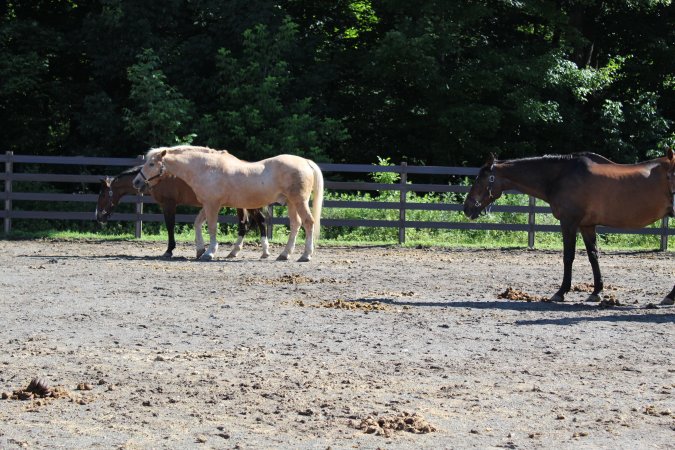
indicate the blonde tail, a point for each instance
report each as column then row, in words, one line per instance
column 317, row 201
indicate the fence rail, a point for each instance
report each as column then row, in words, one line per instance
column 90, row 172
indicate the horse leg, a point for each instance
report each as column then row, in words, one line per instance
column 169, row 211
column 211, row 214
column 241, row 232
column 259, row 219
column 294, row 220
column 308, row 225
column 569, row 232
column 199, row 238
column 590, row 240
column 670, row 298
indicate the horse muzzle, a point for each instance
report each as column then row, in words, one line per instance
column 102, row 216
column 472, row 210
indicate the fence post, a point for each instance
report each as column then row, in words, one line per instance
column 664, row 234
column 531, row 221
column 401, row 214
column 9, row 168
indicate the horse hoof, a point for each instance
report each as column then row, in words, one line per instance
column 206, row 257
column 264, row 256
column 557, row 298
column 594, row 298
column 667, row 301
column 304, row 259
column 167, row 255
column 200, row 253
column 231, row 255
column 282, row 257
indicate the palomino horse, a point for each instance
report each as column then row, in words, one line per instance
column 169, row 193
column 220, row 179
column 584, row 190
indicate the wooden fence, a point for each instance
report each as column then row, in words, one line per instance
column 90, row 172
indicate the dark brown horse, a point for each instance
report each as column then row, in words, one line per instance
column 169, row 193
column 584, row 190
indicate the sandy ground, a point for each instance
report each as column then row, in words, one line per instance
column 368, row 347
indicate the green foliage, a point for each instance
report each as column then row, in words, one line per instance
column 157, row 110
column 438, row 82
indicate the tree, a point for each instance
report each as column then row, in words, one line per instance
column 257, row 113
column 158, row 111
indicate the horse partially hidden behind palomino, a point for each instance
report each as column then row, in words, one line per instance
column 169, row 193
column 220, row 179
column 584, row 190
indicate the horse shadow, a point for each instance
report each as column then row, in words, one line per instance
column 609, row 316
column 173, row 259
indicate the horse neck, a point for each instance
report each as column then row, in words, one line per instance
column 123, row 185
column 529, row 176
column 177, row 166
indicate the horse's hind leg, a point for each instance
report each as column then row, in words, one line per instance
column 308, row 225
column 211, row 214
column 199, row 238
column 242, row 218
column 670, row 298
column 569, row 232
column 294, row 219
column 590, row 240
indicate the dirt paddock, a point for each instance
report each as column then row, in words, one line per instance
column 367, row 347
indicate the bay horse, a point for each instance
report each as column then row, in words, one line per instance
column 584, row 190
column 169, row 193
column 218, row 178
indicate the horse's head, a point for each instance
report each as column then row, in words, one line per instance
column 152, row 170
column 486, row 189
column 105, row 203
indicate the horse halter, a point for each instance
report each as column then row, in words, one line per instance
column 146, row 179
column 491, row 183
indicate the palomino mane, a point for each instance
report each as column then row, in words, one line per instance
column 182, row 149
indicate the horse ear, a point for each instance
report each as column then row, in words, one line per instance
column 491, row 159
column 163, row 154
column 669, row 153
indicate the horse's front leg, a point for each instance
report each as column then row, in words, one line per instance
column 569, row 232
column 169, row 211
column 591, row 242
column 199, row 238
column 211, row 214
column 670, row 298
column 259, row 219
column 241, row 232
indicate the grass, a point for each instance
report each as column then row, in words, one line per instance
column 370, row 237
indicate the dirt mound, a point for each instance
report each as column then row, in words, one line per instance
column 386, row 426
column 346, row 304
column 287, row 279
column 354, row 305
column 37, row 388
column 516, row 294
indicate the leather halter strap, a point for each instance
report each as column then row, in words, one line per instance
column 146, row 179
column 491, row 182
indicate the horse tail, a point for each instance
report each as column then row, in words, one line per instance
column 317, row 201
